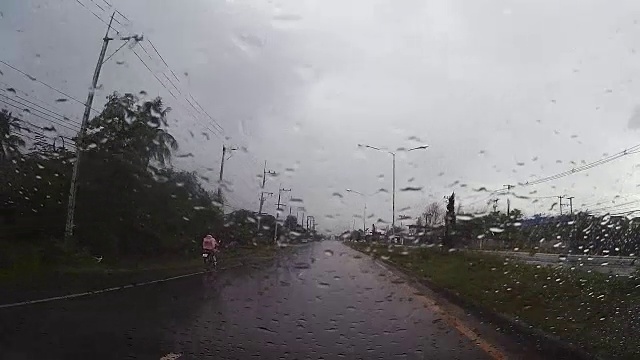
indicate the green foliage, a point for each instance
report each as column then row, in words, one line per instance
column 291, row 222
column 595, row 311
column 10, row 142
column 130, row 206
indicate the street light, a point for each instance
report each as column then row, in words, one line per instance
column 364, row 210
column 393, row 201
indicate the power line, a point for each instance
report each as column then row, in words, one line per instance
column 36, row 139
column 220, row 128
column 166, row 88
column 632, row 150
column 216, row 124
column 29, row 109
column 45, row 84
column 15, row 91
column 96, row 15
column 161, row 58
column 115, row 52
column 96, row 4
column 38, row 116
column 43, row 129
column 62, row 117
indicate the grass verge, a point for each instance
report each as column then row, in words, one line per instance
column 593, row 311
column 57, row 281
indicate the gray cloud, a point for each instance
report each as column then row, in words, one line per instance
column 489, row 86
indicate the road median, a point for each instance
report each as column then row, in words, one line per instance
column 565, row 313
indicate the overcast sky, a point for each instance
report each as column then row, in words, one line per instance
column 503, row 92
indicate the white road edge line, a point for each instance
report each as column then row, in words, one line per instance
column 72, row 296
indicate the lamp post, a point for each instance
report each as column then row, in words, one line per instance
column 364, row 210
column 393, row 201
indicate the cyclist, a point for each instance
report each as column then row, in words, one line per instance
column 211, row 247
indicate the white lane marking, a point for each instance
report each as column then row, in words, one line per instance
column 72, row 296
column 171, row 356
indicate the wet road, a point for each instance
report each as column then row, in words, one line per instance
column 321, row 301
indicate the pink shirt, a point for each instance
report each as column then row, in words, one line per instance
column 209, row 243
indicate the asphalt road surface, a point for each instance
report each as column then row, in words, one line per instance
column 321, row 301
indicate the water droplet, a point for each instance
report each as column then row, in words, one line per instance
column 328, row 252
column 496, row 230
column 411, row 188
column 301, row 265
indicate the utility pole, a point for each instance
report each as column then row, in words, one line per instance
column 224, row 152
column 560, row 198
column 571, row 203
column 262, row 192
column 71, row 206
column 312, row 220
column 278, row 209
column 393, row 201
column 509, row 187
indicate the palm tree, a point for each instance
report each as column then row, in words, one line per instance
column 135, row 130
column 10, row 142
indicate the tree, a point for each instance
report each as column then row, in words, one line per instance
column 449, row 220
column 10, row 142
column 516, row 214
column 133, row 130
column 433, row 214
column 291, row 222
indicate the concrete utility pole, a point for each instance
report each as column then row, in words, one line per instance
column 560, row 198
column 224, row 153
column 278, row 209
column 71, row 206
column 571, row 203
column 262, row 192
column 508, row 187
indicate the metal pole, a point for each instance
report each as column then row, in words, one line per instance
column 264, row 180
column 393, row 201
column 71, row 206
column 364, row 219
column 571, row 203
column 224, row 150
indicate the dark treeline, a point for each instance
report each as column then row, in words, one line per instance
column 580, row 233
column 131, row 204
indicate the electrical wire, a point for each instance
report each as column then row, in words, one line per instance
column 632, row 150
column 45, row 84
column 216, row 124
column 43, row 129
column 38, row 116
column 62, row 117
column 164, row 86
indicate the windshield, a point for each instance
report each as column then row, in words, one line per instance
column 319, row 179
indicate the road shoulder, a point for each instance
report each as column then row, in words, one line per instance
column 71, row 282
column 514, row 338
